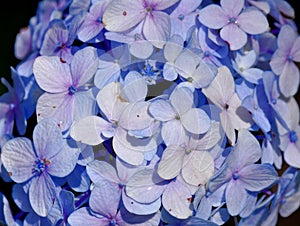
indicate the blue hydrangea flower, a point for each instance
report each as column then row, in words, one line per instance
column 35, row 163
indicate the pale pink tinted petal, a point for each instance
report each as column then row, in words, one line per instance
column 236, row 37
column 157, row 28
column 99, row 170
column 42, row 194
column 292, row 154
column 84, row 66
column 289, row 79
column 140, row 208
column 161, row 5
column 82, row 216
column 122, row 15
column 51, row 74
column 213, row 16
column 173, row 132
column 182, row 99
column 59, row 106
column 253, row 22
column 171, row 162
column 232, row 7
column 195, row 121
column 236, row 197
column 286, row 38
column 95, row 126
column 125, row 150
column 295, row 51
column 105, row 198
column 47, row 138
column 18, row 156
column 175, row 199
column 198, row 167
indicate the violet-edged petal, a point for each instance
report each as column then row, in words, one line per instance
column 92, row 24
column 220, row 178
column 236, row 37
column 195, row 121
column 51, row 74
column 171, row 162
column 135, row 116
column 56, row 34
column 161, row 110
column 96, row 127
column 236, row 197
column 144, row 187
column 83, row 216
column 213, row 16
column 140, row 208
column 42, row 194
column 105, row 198
column 156, row 28
column 84, row 65
column 121, row 15
column 288, row 87
column 175, row 199
column 258, row 24
column 256, row 177
column 17, row 156
column 197, row 167
column 58, row 106
column 99, row 170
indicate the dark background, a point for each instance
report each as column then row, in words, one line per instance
column 15, row 14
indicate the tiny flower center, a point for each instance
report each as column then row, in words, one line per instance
column 137, row 37
column 112, row 222
column 148, row 9
column 12, row 106
column 180, row 17
column 232, row 20
column 72, row 90
column 40, row 165
column 293, row 136
column 235, row 176
column 290, row 58
column 99, row 19
column 121, row 184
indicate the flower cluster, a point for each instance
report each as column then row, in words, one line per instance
column 153, row 112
